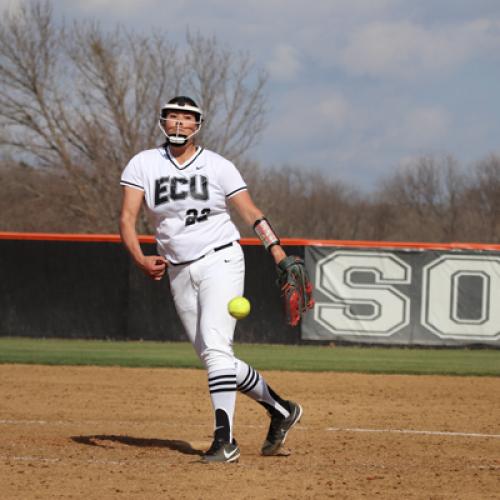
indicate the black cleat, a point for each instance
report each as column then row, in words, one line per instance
column 279, row 428
column 222, row 452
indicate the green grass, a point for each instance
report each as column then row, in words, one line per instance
column 97, row 352
column 263, row 357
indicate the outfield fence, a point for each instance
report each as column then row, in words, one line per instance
column 390, row 293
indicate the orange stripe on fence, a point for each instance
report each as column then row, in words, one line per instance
column 115, row 238
column 61, row 237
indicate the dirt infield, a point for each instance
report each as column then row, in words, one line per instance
column 85, row 432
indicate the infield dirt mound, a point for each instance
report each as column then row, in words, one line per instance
column 98, row 433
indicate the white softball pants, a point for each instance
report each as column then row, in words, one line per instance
column 201, row 292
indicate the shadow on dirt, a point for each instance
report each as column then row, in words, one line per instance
column 103, row 440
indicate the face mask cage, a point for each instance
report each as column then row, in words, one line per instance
column 177, row 138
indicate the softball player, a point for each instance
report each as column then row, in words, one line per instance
column 186, row 189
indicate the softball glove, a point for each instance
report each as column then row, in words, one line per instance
column 296, row 288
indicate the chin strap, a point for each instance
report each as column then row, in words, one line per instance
column 178, row 139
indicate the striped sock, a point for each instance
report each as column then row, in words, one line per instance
column 250, row 382
column 222, row 387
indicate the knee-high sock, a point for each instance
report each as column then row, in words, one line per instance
column 222, row 387
column 250, row 382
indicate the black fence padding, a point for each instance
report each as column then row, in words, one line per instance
column 93, row 290
column 266, row 323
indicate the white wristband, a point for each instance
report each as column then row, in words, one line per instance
column 266, row 233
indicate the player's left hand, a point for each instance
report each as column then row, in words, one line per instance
column 296, row 288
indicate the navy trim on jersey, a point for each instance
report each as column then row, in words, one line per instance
column 183, row 167
column 236, row 191
column 131, row 184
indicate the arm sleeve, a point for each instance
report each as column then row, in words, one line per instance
column 231, row 180
column 131, row 176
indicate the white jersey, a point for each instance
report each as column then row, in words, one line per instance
column 187, row 202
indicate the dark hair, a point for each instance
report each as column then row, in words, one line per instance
column 182, row 100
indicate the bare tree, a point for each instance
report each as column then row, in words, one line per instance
column 23, row 200
column 379, row 219
column 426, row 199
column 219, row 80
column 300, row 205
column 76, row 103
column 304, row 204
column 85, row 100
column 482, row 201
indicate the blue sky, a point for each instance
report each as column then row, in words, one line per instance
column 356, row 87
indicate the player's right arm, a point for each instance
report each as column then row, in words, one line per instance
column 153, row 265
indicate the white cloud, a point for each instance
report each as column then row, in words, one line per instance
column 404, row 49
column 426, row 127
column 309, row 114
column 350, row 140
column 355, row 85
column 284, row 63
column 401, row 128
column 335, row 110
column 116, row 6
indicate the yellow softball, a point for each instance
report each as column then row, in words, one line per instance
column 239, row 307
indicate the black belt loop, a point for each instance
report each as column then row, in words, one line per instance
column 216, row 249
